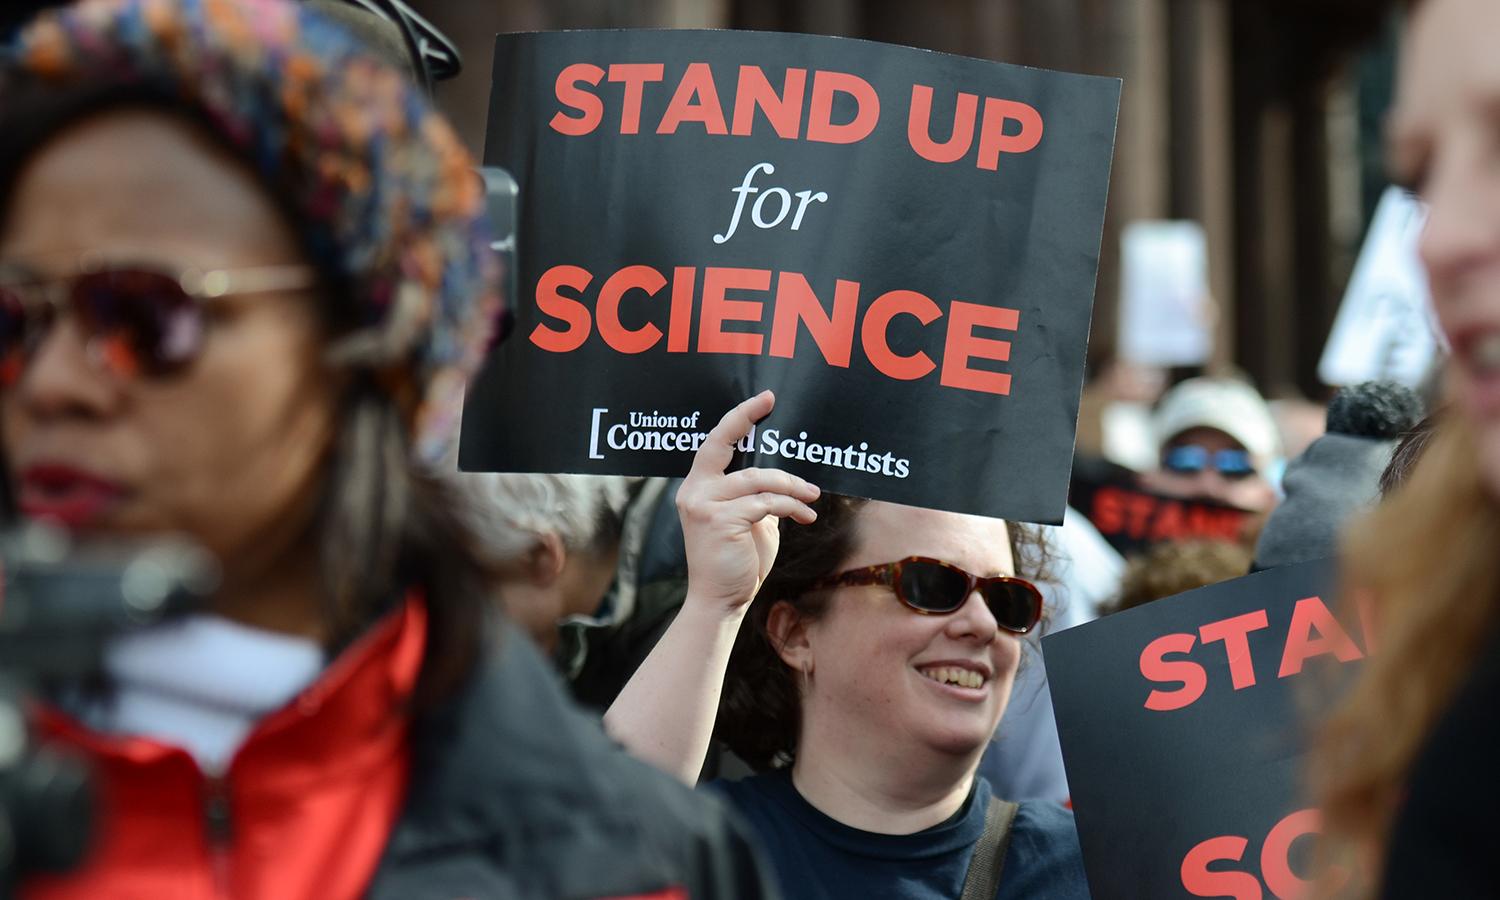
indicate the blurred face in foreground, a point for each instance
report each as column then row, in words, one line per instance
column 225, row 449
column 1445, row 145
column 885, row 674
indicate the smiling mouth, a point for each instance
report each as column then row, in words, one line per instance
column 959, row 677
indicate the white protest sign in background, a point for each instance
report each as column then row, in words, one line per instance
column 1384, row 329
column 1166, row 317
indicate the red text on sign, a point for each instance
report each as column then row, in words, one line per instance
column 993, row 139
column 695, row 101
column 1314, row 631
column 734, row 296
column 1275, row 863
column 801, row 107
column 1146, row 517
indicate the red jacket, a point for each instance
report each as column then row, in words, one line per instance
column 304, row 809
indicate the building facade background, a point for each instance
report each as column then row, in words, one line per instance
column 1258, row 118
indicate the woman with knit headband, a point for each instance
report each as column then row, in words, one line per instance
column 239, row 262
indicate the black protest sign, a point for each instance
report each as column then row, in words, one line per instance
column 902, row 244
column 1133, row 519
column 1184, row 727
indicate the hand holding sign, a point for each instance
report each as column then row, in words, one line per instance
column 729, row 522
column 665, row 715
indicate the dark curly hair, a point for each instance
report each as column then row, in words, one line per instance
column 760, row 711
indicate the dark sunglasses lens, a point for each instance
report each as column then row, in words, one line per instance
column 931, row 587
column 13, row 337
column 142, row 321
column 1015, row 606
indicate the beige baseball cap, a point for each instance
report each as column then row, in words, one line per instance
column 1224, row 404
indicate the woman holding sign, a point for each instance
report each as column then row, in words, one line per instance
column 240, row 260
column 873, row 669
column 1408, row 772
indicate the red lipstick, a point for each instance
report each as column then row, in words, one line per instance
column 72, row 497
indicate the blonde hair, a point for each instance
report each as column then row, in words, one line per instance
column 1426, row 563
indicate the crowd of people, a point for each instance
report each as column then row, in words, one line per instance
column 244, row 277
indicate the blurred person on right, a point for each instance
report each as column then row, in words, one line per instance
column 1216, row 440
column 1406, row 768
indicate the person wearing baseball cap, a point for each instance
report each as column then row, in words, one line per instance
column 1217, row 440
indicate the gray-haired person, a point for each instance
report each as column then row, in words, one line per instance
column 591, row 565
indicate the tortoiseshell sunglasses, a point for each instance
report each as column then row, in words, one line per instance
column 933, row 587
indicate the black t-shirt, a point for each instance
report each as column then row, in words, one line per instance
column 818, row 858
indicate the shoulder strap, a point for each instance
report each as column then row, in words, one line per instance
column 988, row 860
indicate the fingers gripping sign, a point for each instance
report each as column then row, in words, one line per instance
column 730, row 521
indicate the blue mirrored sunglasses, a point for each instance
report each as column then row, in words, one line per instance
column 1190, row 459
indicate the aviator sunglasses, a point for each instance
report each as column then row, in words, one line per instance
column 135, row 319
column 1190, row 459
column 933, row 587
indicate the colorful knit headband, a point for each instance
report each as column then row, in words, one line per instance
column 384, row 190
